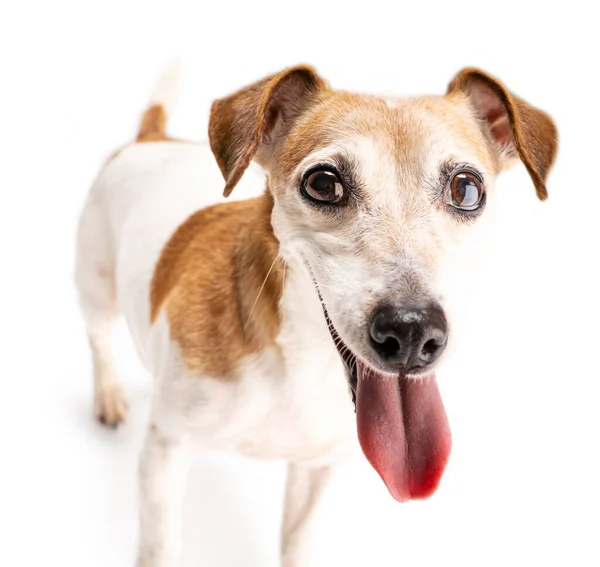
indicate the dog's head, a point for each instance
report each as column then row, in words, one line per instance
column 385, row 199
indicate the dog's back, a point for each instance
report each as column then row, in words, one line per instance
column 143, row 193
column 121, row 232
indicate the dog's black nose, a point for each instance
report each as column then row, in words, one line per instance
column 411, row 337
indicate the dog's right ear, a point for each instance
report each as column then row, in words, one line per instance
column 251, row 122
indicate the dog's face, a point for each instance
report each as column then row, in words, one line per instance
column 386, row 202
column 384, row 199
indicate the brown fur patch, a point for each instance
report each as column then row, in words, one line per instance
column 220, row 282
column 153, row 125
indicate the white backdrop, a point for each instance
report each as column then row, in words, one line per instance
column 522, row 394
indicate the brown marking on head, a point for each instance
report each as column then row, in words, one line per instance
column 219, row 280
column 339, row 116
column 512, row 125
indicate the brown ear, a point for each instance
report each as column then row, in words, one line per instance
column 516, row 128
column 247, row 124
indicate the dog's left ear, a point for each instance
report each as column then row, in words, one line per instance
column 514, row 127
column 251, row 122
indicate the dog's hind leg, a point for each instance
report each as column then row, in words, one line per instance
column 94, row 277
column 304, row 488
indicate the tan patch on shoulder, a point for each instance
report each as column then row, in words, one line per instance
column 219, row 280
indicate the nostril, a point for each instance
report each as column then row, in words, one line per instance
column 389, row 348
column 390, row 337
column 430, row 347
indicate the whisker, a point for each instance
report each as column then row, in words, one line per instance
column 284, row 276
column 334, row 314
column 261, row 290
column 326, row 285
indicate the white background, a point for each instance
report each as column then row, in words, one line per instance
column 522, row 394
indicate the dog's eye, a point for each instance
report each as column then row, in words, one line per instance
column 466, row 191
column 323, row 186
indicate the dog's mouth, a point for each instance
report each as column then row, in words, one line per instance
column 402, row 425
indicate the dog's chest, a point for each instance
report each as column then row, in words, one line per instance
column 299, row 392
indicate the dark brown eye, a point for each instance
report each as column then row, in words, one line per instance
column 466, row 191
column 323, row 186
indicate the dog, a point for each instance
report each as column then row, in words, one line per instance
column 287, row 325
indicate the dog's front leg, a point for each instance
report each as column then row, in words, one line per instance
column 162, row 475
column 303, row 491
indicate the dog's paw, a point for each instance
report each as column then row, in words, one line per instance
column 111, row 405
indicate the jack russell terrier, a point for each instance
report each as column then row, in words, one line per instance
column 286, row 325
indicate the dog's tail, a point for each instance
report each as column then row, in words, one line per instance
column 153, row 125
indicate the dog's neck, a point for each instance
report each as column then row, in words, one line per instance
column 283, row 290
column 264, row 259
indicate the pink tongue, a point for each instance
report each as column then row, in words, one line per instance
column 403, row 431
